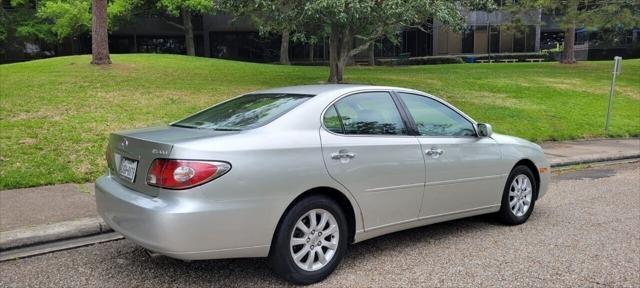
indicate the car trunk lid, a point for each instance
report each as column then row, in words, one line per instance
column 133, row 152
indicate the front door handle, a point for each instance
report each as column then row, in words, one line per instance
column 343, row 154
column 434, row 152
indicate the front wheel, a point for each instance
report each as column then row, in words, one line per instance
column 518, row 197
column 310, row 242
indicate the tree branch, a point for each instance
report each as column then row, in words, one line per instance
column 174, row 24
column 367, row 41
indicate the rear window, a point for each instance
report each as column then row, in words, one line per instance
column 244, row 112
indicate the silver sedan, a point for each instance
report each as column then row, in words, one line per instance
column 298, row 173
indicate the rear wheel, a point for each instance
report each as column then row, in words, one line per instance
column 518, row 197
column 310, row 242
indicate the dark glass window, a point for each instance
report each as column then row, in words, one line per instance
column 524, row 41
column 332, row 120
column 494, row 38
column 161, row 44
column 244, row 46
column 467, row 40
column 530, row 42
column 244, row 112
column 370, row 113
column 436, row 119
column 518, row 42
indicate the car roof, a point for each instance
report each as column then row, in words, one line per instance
column 324, row 88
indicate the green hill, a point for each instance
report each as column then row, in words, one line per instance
column 55, row 114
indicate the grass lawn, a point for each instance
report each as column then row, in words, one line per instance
column 55, row 114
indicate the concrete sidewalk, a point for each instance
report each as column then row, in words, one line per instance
column 589, row 151
column 42, row 214
column 35, row 215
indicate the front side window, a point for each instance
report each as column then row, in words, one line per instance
column 434, row 118
column 244, row 112
column 369, row 113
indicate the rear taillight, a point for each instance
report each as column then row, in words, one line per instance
column 109, row 157
column 183, row 174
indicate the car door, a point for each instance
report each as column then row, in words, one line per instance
column 463, row 170
column 367, row 148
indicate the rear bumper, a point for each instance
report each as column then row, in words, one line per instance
column 184, row 226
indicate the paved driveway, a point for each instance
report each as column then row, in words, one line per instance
column 584, row 233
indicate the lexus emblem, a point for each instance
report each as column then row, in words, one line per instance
column 124, row 143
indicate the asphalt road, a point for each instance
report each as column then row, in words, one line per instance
column 584, row 233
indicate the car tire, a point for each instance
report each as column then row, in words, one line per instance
column 285, row 246
column 518, row 197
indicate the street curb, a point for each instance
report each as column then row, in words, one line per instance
column 31, row 236
column 52, row 232
column 577, row 160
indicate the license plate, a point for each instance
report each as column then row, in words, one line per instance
column 128, row 168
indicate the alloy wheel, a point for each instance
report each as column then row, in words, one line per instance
column 314, row 240
column 520, row 195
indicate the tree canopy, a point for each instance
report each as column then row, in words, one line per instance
column 594, row 15
column 353, row 25
column 53, row 20
column 277, row 16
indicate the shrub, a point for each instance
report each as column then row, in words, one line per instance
column 520, row 56
column 427, row 60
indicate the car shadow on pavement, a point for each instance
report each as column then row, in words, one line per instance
column 255, row 272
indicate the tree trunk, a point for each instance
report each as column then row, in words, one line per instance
column 312, row 51
column 568, row 54
column 188, row 32
column 284, row 48
column 371, row 51
column 334, row 47
column 99, row 33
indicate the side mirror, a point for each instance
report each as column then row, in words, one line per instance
column 484, row 130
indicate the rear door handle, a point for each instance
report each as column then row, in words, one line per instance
column 343, row 154
column 434, row 152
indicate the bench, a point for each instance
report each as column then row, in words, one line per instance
column 531, row 60
column 508, row 60
column 485, row 61
column 402, row 58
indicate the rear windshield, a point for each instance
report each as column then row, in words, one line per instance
column 244, row 112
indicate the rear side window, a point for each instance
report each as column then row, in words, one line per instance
column 244, row 112
column 369, row 113
column 332, row 120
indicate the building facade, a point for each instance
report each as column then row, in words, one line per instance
column 220, row 36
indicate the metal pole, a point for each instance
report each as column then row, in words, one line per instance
column 616, row 71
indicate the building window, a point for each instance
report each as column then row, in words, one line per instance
column 551, row 40
column 161, row 44
column 386, row 48
column 244, row 46
column 467, row 40
column 506, row 41
column 416, row 42
column 494, row 38
column 524, row 41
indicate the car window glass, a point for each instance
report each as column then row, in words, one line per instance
column 434, row 118
column 332, row 120
column 244, row 112
column 370, row 113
